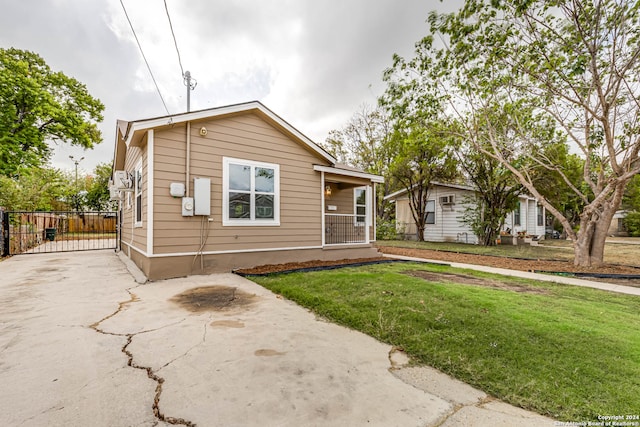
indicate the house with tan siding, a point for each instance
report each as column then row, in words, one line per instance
column 446, row 205
column 235, row 187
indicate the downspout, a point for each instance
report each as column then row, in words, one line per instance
column 188, row 161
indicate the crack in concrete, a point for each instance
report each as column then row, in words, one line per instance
column 150, row 373
column 459, row 406
column 204, row 339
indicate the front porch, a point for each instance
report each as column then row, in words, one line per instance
column 348, row 206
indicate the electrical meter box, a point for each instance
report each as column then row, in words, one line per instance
column 202, row 196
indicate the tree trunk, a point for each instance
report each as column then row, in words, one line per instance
column 420, row 232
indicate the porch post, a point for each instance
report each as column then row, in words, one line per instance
column 374, row 210
column 322, row 202
column 367, row 217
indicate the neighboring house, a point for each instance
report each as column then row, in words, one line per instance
column 232, row 187
column 445, row 207
column 617, row 227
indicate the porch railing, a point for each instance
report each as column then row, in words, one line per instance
column 345, row 229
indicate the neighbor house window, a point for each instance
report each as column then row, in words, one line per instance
column 430, row 212
column 251, row 193
column 360, row 198
column 516, row 215
column 137, row 182
column 540, row 215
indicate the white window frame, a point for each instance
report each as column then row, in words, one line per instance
column 355, row 206
column 254, row 222
column 426, row 213
column 137, row 185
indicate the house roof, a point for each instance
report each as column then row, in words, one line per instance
column 131, row 132
column 399, row 193
column 345, row 170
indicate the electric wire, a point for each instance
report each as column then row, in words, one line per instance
column 144, row 57
column 175, row 42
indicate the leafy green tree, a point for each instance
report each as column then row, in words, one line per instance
column 496, row 194
column 631, row 199
column 573, row 66
column 38, row 105
column 98, row 189
column 35, row 189
column 364, row 143
column 423, row 154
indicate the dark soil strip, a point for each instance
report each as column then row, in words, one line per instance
column 248, row 273
column 592, row 275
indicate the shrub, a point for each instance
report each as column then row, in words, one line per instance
column 632, row 223
column 386, row 230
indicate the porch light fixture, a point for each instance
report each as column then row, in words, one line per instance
column 327, row 190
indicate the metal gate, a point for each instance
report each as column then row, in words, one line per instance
column 59, row 231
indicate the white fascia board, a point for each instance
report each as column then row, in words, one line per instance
column 345, row 172
column 214, row 112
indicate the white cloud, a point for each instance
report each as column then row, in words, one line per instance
column 313, row 63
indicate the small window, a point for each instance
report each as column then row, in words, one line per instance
column 360, row 197
column 516, row 215
column 540, row 215
column 430, row 212
column 251, row 193
column 138, row 194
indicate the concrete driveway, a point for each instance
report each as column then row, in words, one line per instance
column 81, row 343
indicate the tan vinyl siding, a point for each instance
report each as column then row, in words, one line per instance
column 245, row 137
column 131, row 235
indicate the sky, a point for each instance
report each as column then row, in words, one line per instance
column 313, row 63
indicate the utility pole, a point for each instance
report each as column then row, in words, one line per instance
column 191, row 85
column 77, row 198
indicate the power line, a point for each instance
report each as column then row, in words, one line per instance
column 174, row 37
column 144, row 57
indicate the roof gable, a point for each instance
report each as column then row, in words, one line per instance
column 132, row 132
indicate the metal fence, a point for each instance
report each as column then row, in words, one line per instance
column 40, row 232
column 344, row 229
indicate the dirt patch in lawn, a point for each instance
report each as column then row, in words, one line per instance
column 213, row 298
column 520, row 264
column 474, row 281
column 277, row 268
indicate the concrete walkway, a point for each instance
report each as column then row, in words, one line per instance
column 81, row 343
column 629, row 290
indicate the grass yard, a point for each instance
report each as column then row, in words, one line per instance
column 615, row 253
column 566, row 352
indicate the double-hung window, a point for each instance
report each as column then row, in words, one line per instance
column 251, row 193
column 540, row 215
column 430, row 212
column 516, row 215
column 137, row 181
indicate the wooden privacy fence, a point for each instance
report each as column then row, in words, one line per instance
column 36, row 232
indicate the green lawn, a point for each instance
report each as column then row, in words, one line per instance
column 566, row 352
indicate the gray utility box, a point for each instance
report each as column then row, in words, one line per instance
column 202, row 196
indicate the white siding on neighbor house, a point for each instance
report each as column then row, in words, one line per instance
column 448, row 225
column 528, row 219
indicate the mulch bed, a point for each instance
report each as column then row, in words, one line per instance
column 521, row 264
column 279, row 268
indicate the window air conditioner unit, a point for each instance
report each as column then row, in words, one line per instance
column 446, row 200
column 114, row 193
column 123, row 181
